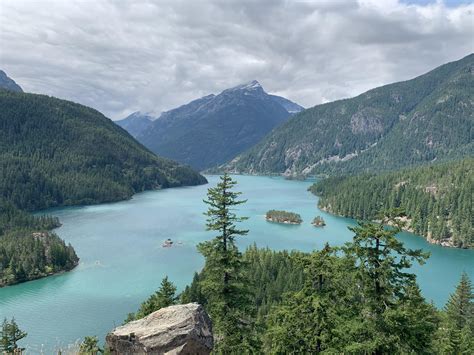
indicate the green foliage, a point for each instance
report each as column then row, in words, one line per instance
column 304, row 322
column 362, row 301
column 164, row 297
column 437, row 199
column 455, row 334
column 56, row 153
column 318, row 221
column 9, row 336
column 27, row 250
column 270, row 273
column 27, row 256
column 394, row 126
column 283, row 217
column 225, row 284
column 389, row 293
column 90, row 346
column 460, row 306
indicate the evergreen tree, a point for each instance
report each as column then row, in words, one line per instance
column 225, row 284
column 307, row 320
column 193, row 292
column 10, row 335
column 90, row 346
column 460, row 306
column 164, row 297
column 456, row 332
column 387, row 290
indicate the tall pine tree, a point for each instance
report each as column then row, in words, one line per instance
column 225, row 284
column 10, row 334
column 460, row 306
column 456, row 333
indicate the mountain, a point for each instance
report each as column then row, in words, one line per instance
column 429, row 118
column 288, row 105
column 436, row 199
column 213, row 129
column 56, row 153
column 8, row 84
column 136, row 123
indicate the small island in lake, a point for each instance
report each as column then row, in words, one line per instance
column 283, row 217
column 318, row 221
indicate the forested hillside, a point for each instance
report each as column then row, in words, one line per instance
column 436, row 199
column 408, row 123
column 56, row 153
column 27, row 250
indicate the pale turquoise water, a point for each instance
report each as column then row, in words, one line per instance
column 122, row 260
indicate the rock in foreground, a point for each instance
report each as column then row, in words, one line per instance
column 180, row 329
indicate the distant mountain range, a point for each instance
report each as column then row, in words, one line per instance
column 136, row 123
column 429, row 118
column 8, row 83
column 213, row 129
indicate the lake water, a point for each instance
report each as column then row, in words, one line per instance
column 122, row 261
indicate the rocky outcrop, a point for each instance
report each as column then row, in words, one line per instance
column 181, row 329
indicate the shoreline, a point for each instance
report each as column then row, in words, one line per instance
column 39, row 277
column 281, row 222
column 441, row 243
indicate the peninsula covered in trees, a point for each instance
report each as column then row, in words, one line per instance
column 27, row 250
column 283, row 217
column 437, row 199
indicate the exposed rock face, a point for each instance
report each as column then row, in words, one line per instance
column 181, row 329
column 213, row 129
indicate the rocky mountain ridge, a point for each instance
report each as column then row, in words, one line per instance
column 215, row 128
column 428, row 118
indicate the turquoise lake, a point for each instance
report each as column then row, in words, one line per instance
column 122, row 261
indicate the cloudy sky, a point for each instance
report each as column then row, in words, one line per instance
column 124, row 56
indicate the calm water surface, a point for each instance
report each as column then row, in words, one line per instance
column 122, row 261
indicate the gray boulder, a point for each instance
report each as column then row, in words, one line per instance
column 181, row 329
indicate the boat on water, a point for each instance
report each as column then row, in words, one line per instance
column 167, row 243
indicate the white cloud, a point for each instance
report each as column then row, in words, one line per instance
column 122, row 56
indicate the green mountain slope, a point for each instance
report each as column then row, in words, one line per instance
column 407, row 123
column 55, row 153
column 437, row 199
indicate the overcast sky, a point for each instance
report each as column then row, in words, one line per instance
column 124, row 56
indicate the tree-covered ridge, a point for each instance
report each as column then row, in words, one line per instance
column 403, row 124
column 27, row 250
column 55, row 153
column 437, row 199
